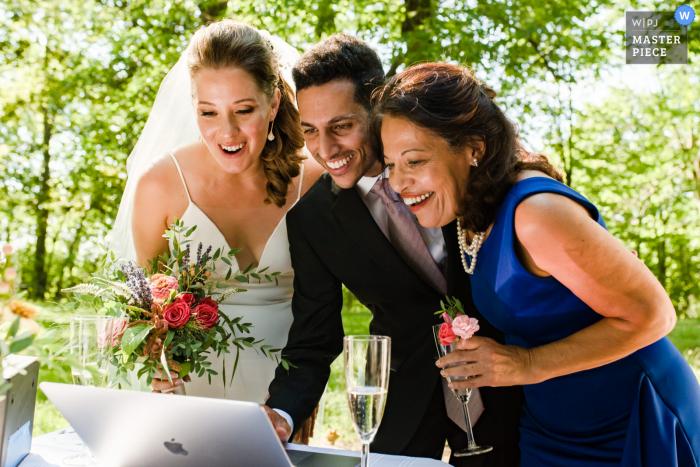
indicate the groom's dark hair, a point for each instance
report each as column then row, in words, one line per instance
column 340, row 57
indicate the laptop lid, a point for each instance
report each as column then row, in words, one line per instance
column 130, row 428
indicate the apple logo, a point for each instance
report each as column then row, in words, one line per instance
column 175, row 448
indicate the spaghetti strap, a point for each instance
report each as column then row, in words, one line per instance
column 182, row 176
column 301, row 181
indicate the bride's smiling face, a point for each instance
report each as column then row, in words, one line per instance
column 424, row 170
column 233, row 116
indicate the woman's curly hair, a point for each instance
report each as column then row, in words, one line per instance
column 230, row 43
column 451, row 103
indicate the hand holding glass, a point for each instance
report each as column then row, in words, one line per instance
column 472, row 448
column 367, row 383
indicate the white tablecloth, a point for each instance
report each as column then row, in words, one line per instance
column 52, row 448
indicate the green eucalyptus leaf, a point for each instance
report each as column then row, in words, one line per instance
column 134, row 336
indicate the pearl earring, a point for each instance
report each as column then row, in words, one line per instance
column 475, row 162
column 270, row 136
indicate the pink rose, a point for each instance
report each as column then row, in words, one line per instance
column 446, row 334
column 119, row 326
column 447, row 318
column 177, row 314
column 7, row 249
column 464, row 326
column 207, row 313
column 161, row 286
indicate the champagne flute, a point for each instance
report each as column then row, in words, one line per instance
column 91, row 341
column 462, row 395
column 366, row 383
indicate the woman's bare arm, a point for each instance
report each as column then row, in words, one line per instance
column 159, row 198
column 562, row 240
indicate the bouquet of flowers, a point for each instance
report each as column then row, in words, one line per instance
column 457, row 324
column 168, row 315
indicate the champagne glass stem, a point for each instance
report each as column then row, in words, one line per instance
column 365, row 455
column 470, row 434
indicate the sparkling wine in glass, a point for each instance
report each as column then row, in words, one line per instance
column 462, row 395
column 91, row 342
column 367, row 361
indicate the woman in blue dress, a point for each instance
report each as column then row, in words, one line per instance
column 585, row 320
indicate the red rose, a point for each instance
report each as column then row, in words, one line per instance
column 209, row 301
column 185, row 297
column 207, row 313
column 446, row 334
column 177, row 314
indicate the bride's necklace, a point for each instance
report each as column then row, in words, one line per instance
column 471, row 250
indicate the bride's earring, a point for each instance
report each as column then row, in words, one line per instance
column 475, row 162
column 270, row 136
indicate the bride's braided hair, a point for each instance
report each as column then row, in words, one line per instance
column 230, row 43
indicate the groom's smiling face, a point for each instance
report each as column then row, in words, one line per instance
column 336, row 132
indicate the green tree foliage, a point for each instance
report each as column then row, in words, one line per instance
column 639, row 161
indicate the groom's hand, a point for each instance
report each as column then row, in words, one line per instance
column 282, row 428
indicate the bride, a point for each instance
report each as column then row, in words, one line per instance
column 241, row 169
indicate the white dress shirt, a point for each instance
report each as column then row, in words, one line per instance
column 432, row 236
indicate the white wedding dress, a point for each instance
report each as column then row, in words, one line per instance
column 266, row 305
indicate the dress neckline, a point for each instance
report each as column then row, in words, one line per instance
column 216, row 227
column 223, row 238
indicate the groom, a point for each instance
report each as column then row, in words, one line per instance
column 340, row 232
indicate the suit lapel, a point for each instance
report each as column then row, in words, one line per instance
column 449, row 232
column 356, row 220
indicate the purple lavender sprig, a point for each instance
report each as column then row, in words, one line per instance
column 144, row 290
column 199, row 253
column 186, row 258
column 138, row 286
column 203, row 260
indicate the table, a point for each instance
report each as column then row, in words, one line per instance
column 50, row 449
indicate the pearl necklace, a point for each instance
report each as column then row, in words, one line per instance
column 471, row 250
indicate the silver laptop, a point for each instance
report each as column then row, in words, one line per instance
column 130, row 428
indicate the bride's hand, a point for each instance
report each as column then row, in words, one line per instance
column 487, row 363
column 162, row 385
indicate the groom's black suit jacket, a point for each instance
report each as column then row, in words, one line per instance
column 334, row 240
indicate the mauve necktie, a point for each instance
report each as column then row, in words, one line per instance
column 408, row 241
column 406, row 238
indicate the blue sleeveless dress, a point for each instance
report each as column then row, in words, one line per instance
column 643, row 410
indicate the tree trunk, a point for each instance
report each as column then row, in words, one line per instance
column 70, row 258
column 417, row 11
column 661, row 253
column 696, row 176
column 570, row 162
column 42, row 213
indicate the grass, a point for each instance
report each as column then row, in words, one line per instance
column 336, row 418
column 686, row 337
